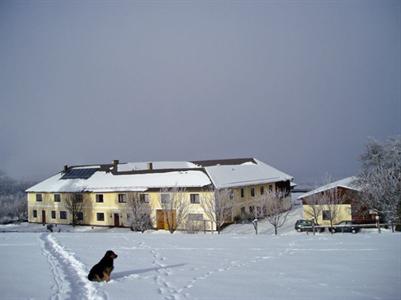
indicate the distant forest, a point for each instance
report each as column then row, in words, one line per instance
column 13, row 204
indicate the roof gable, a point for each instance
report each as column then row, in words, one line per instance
column 348, row 183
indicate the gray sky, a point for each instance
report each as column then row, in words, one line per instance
column 300, row 85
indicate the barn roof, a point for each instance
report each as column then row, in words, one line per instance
column 141, row 176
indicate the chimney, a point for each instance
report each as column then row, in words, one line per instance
column 150, row 166
column 115, row 163
column 65, row 168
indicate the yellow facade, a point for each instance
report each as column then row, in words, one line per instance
column 114, row 212
column 340, row 212
column 246, row 201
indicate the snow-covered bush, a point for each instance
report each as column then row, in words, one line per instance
column 380, row 178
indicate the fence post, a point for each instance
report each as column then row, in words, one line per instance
column 378, row 223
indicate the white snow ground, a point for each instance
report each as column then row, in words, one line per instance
column 41, row 265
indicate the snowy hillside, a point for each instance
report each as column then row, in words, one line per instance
column 40, row 265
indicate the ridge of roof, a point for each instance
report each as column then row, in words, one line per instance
column 227, row 161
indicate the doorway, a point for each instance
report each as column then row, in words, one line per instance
column 116, row 220
column 164, row 218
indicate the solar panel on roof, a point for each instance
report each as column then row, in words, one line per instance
column 79, row 173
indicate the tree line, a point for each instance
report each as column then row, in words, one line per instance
column 13, row 204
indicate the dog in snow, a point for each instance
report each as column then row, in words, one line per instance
column 102, row 270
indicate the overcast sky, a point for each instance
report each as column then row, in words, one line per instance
column 300, row 85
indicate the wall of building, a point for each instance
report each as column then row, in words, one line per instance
column 109, row 207
column 342, row 212
column 246, row 203
column 347, row 208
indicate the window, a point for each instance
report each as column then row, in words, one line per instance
column 53, row 214
column 242, row 211
column 63, row 215
column 39, row 197
column 78, row 198
column 259, row 211
column 57, row 197
column 100, row 216
column 195, row 217
column 122, row 198
column 144, row 198
column 326, row 215
column 165, row 198
column 99, row 198
column 80, row 216
column 242, row 193
column 270, row 188
column 35, row 213
column 194, row 198
column 253, row 192
column 231, row 194
column 262, row 190
column 251, row 209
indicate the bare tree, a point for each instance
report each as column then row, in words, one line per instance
column 331, row 199
column 380, row 178
column 74, row 205
column 175, row 207
column 276, row 209
column 315, row 205
column 21, row 210
column 218, row 205
column 314, row 209
column 139, row 208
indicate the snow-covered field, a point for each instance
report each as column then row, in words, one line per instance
column 41, row 265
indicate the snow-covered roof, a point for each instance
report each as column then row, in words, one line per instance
column 141, row 176
column 248, row 173
column 348, row 183
column 158, row 165
column 108, row 182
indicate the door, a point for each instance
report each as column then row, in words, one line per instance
column 43, row 217
column 159, row 219
column 164, row 218
column 116, row 220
